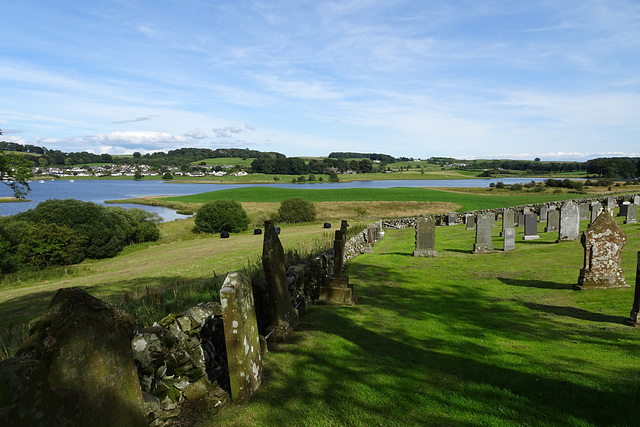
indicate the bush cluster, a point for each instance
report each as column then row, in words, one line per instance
column 295, row 209
column 221, row 215
column 63, row 232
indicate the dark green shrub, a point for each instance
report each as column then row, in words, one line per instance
column 296, row 209
column 221, row 215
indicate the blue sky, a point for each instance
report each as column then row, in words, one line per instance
column 466, row 79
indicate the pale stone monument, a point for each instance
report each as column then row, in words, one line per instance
column 425, row 237
column 530, row 227
column 470, row 221
column 603, row 242
column 484, row 224
column 631, row 216
column 508, row 220
column 519, row 219
column 634, row 317
column 241, row 336
column 282, row 317
column 569, row 228
column 611, row 203
column 594, row 210
column 543, row 213
column 452, row 218
column 553, row 221
column 509, row 235
column 584, row 211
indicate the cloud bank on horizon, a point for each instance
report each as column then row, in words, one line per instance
column 485, row 79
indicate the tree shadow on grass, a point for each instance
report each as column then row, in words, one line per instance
column 542, row 284
column 575, row 312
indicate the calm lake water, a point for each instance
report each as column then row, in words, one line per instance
column 99, row 191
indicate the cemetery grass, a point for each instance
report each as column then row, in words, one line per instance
column 459, row 339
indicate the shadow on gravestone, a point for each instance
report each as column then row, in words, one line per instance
column 339, row 290
column 282, row 317
column 241, row 336
column 84, row 345
column 634, row 317
column 603, row 242
column 425, row 244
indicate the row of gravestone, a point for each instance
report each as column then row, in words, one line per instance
column 85, row 365
column 602, row 241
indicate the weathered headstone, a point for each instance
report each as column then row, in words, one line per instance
column 241, row 336
column 611, row 203
column 634, row 317
column 470, row 221
column 519, row 219
column 509, row 235
column 603, row 242
column 623, row 209
column 339, row 291
column 508, row 220
column 569, row 228
column 425, row 236
column 484, row 223
column 583, row 209
column 594, row 211
column 636, row 200
column 282, row 317
column 530, row 227
column 631, row 215
column 543, row 213
column 553, row 221
column 452, row 218
column 85, row 346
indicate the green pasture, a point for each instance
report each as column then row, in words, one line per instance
column 460, row 339
column 231, row 161
column 272, row 194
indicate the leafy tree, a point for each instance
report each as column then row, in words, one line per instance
column 167, row 175
column 137, row 175
column 296, row 209
column 333, row 176
column 15, row 171
column 221, row 215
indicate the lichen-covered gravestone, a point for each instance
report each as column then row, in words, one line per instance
column 603, row 242
column 241, row 336
column 470, row 222
column 508, row 220
column 85, row 347
column 553, row 220
column 509, row 235
column 483, row 242
column 425, row 237
column 569, row 228
column 282, row 317
column 594, row 211
column 583, row 209
column 338, row 291
column 543, row 213
column 631, row 216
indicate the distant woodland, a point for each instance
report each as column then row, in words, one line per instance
column 343, row 162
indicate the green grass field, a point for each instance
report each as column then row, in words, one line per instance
column 459, row 340
column 467, row 201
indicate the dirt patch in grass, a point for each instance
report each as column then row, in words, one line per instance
column 338, row 210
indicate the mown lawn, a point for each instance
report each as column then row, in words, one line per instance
column 459, row 339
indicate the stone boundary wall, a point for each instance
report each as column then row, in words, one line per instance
column 410, row 222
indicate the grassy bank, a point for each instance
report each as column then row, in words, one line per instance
column 460, row 339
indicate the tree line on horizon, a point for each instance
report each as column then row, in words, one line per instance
column 278, row 163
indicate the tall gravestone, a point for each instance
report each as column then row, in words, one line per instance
column 484, row 224
column 634, row 317
column 632, row 214
column 519, row 219
column 508, row 220
column 282, row 317
column 569, row 227
column 241, row 336
column 603, row 242
column 509, row 236
column 338, row 291
column 623, row 209
column 636, row 200
column 594, row 211
column 452, row 218
column 530, row 227
column 583, row 209
column 553, row 221
column 543, row 213
column 83, row 347
column 470, row 221
column 425, row 237
column 611, row 203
